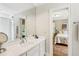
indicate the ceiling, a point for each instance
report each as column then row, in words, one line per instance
column 60, row 14
column 17, row 7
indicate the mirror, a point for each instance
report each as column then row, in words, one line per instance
column 26, row 24
column 22, row 28
column 19, row 25
column 5, row 27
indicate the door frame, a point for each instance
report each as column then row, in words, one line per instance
column 69, row 35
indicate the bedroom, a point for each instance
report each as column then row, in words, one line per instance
column 60, row 32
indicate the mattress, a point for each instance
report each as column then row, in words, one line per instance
column 61, row 38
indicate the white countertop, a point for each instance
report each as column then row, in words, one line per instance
column 17, row 49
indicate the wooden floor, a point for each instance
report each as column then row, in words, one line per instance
column 60, row 50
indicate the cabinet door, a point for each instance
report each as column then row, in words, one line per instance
column 34, row 51
column 42, row 48
column 24, row 54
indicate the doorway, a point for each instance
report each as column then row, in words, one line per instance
column 60, row 38
column 60, row 32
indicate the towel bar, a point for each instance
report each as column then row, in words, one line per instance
column 75, row 22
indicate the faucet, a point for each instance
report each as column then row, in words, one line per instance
column 23, row 39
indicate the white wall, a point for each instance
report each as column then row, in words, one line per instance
column 42, row 24
column 59, row 23
column 74, row 18
column 30, row 22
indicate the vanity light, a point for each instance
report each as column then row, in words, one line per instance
column 57, row 15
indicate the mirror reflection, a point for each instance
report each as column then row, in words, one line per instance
column 25, row 24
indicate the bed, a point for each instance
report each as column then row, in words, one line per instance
column 61, row 38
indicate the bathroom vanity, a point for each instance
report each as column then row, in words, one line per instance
column 30, row 47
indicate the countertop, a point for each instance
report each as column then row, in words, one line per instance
column 18, row 48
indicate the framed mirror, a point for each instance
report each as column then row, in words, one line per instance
column 22, row 28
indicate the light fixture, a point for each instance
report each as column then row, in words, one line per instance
column 57, row 15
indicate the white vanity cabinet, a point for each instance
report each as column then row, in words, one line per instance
column 42, row 48
column 24, row 54
column 34, row 51
column 38, row 50
column 33, row 48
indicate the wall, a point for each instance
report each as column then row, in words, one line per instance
column 74, row 18
column 44, row 23
column 59, row 23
